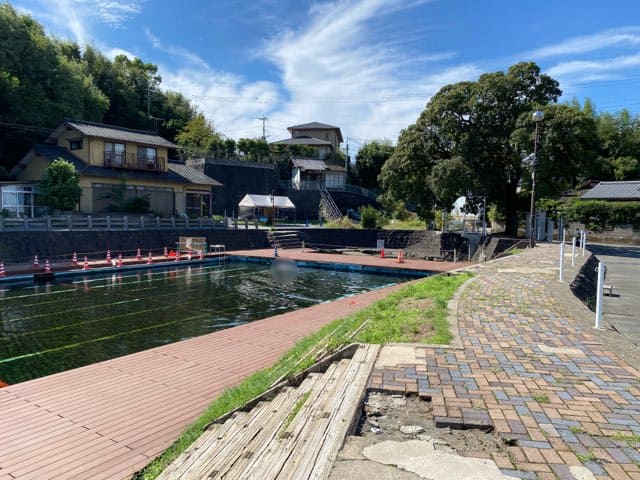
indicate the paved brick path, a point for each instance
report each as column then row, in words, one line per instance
column 531, row 371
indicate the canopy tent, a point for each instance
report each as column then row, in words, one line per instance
column 253, row 205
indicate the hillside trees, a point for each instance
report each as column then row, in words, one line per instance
column 369, row 161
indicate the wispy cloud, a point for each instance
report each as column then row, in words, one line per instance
column 589, row 67
column 77, row 17
column 619, row 37
column 174, row 51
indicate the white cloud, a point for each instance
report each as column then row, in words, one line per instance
column 336, row 70
column 77, row 17
column 174, row 51
column 586, row 67
column 619, row 37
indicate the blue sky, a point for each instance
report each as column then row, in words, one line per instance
column 368, row 66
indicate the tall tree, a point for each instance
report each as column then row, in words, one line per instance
column 198, row 138
column 473, row 121
column 369, row 161
column 60, row 186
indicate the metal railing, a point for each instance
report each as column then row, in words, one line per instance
column 132, row 161
column 107, row 222
column 288, row 184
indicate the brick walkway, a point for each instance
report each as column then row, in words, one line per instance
column 532, row 372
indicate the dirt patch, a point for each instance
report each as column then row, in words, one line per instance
column 415, row 304
column 397, row 417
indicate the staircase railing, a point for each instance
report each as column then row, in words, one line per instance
column 328, row 205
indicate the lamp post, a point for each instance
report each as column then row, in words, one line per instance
column 537, row 117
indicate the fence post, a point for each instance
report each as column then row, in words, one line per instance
column 69, row 222
column 455, row 255
column 469, row 252
column 173, row 221
column 141, row 222
column 48, row 222
column 25, row 224
column 1, row 222
column 257, row 224
column 562, row 262
column 186, row 222
column 89, row 222
column 200, row 222
column 126, row 222
column 584, row 241
column 573, row 252
column 599, row 292
column 157, row 222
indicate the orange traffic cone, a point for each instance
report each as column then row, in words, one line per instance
column 382, row 253
column 47, row 267
column 86, row 264
column 400, row 258
column 149, row 259
column 36, row 264
column 119, row 264
column 138, row 255
column 74, row 260
column 108, row 256
column 2, row 272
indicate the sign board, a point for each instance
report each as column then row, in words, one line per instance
column 379, row 244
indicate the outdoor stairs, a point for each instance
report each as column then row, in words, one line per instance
column 284, row 239
column 328, row 207
column 297, row 435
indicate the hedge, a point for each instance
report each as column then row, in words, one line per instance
column 600, row 214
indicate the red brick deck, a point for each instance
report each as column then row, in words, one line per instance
column 109, row 419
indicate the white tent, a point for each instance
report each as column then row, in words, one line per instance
column 262, row 205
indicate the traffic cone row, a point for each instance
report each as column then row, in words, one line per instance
column 74, row 260
column 149, row 259
column 36, row 264
column 86, row 263
column 47, row 266
column 2, row 272
column 138, row 255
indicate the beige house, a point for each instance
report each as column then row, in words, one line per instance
column 325, row 169
column 109, row 158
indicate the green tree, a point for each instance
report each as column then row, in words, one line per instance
column 473, row 121
column 254, row 149
column 198, row 138
column 59, row 186
column 626, row 168
column 448, row 180
column 369, row 161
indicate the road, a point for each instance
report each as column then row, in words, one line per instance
column 622, row 309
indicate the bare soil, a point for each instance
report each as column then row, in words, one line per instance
column 398, row 417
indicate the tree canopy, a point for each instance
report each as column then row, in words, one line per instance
column 369, row 161
column 59, row 186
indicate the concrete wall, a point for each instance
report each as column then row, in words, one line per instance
column 21, row 246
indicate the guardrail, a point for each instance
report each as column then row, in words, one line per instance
column 107, row 222
column 287, row 184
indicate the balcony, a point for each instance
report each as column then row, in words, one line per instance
column 131, row 161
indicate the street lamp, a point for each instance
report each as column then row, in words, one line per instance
column 537, row 117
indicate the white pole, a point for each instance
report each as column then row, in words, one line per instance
column 573, row 252
column 469, row 252
column 599, row 292
column 562, row 262
column 584, row 241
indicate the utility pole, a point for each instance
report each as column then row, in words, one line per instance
column 264, row 130
column 346, row 160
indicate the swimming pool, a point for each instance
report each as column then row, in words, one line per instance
column 77, row 321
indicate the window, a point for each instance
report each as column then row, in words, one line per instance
column 75, row 144
column 147, row 158
column 114, row 154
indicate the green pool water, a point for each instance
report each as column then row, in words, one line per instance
column 55, row 327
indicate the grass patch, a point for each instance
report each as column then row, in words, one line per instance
column 409, row 224
column 379, row 323
column 573, row 429
column 541, row 398
column 631, row 439
column 296, row 408
column 587, row 457
column 514, row 251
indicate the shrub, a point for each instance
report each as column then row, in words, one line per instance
column 371, row 218
column 600, row 214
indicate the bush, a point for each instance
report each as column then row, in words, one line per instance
column 600, row 214
column 371, row 218
column 136, row 205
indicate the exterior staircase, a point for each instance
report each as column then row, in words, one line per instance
column 296, row 435
column 328, row 207
column 284, row 239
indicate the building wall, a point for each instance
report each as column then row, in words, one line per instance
column 36, row 166
column 93, row 149
column 321, row 134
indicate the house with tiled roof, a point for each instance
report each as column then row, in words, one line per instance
column 108, row 156
column 614, row 191
column 324, row 170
